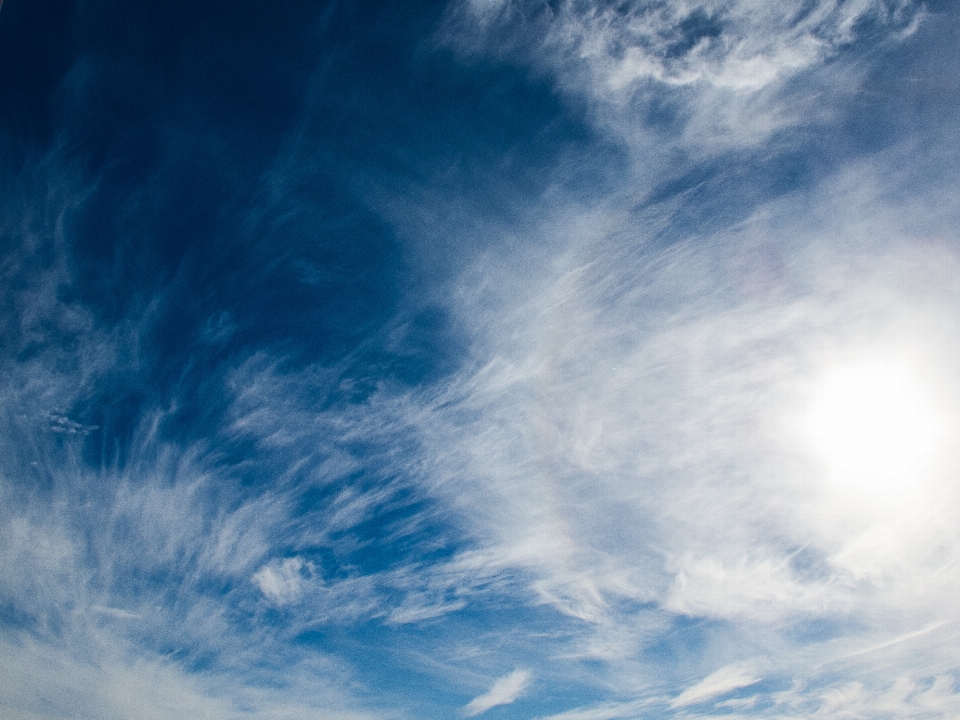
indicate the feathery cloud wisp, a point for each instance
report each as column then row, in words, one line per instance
column 732, row 677
column 503, row 692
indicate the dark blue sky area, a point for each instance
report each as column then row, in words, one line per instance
column 223, row 152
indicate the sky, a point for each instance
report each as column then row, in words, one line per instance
column 512, row 359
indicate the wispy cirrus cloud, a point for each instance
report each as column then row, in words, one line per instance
column 732, row 677
column 711, row 74
column 503, row 692
column 621, row 435
column 601, row 486
column 281, row 582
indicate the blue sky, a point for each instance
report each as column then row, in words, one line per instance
column 483, row 358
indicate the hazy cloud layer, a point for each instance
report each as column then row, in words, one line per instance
column 485, row 362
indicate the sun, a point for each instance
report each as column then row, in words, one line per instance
column 878, row 431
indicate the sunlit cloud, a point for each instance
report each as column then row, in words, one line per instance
column 613, row 343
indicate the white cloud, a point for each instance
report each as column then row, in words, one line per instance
column 731, row 677
column 612, row 440
column 897, row 697
column 42, row 683
column 96, row 679
column 617, row 434
column 648, row 389
column 718, row 65
column 758, row 590
column 412, row 612
column 281, row 581
column 503, row 692
column 606, row 711
column 117, row 613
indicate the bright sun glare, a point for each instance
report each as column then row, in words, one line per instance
column 879, row 431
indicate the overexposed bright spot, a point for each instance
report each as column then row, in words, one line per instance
column 880, row 432
column 874, row 424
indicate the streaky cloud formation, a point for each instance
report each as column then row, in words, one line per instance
column 503, row 692
column 699, row 77
column 717, row 683
column 568, row 360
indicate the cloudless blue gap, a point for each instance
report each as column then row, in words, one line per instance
column 237, row 66
column 37, row 36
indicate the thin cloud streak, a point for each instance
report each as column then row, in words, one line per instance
column 550, row 433
column 722, row 681
column 718, row 69
column 503, row 692
column 603, row 490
